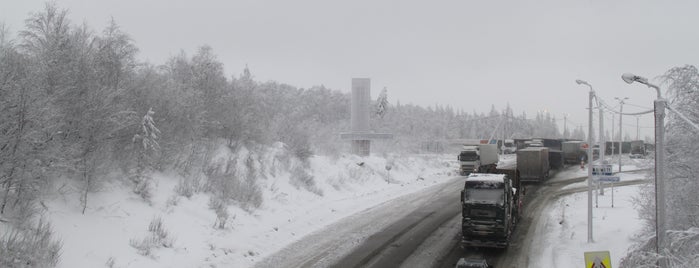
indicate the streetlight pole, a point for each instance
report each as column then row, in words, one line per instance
column 565, row 127
column 589, row 161
column 601, row 135
column 638, row 130
column 612, row 141
column 621, row 112
column 659, row 112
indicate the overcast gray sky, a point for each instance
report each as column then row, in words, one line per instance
column 466, row 54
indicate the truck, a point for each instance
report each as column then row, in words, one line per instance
column 573, row 152
column 490, row 208
column 533, row 164
column 638, row 149
column 478, row 158
column 509, row 147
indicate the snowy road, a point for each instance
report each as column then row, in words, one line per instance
column 380, row 235
column 418, row 230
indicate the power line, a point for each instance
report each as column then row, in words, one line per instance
column 639, row 106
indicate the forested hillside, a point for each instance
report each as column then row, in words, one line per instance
column 78, row 104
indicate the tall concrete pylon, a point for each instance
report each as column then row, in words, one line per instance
column 360, row 135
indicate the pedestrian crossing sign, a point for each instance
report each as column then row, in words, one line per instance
column 598, row 259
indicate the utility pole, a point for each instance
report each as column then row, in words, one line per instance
column 621, row 114
column 565, row 127
column 638, row 130
column 601, row 135
column 612, row 141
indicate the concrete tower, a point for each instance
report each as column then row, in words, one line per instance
column 360, row 135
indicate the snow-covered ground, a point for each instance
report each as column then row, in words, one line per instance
column 561, row 238
column 116, row 218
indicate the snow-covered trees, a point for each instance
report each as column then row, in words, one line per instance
column 382, row 103
column 147, row 147
column 682, row 143
column 681, row 181
column 70, row 99
column 115, row 57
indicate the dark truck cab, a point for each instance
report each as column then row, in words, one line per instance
column 490, row 206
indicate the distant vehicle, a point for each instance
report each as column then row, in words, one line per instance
column 638, row 149
column 472, row 263
column 509, row 147
column 573, row 151
column 533, row 143
column 556, row 155
column 478, row 158
column 637, row 156
column 533, row 164
column 490, row 207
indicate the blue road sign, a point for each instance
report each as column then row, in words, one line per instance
column 607, row 179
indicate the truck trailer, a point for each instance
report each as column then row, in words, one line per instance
column 533, row 164
column 573, row 152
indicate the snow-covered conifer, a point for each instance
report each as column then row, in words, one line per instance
column 147, row 138
column 382, row 103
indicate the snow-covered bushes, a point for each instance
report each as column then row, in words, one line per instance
column 221, row 208
column 682, row 251
column 30, row 247
column 187, row 187
column 230, row 182
column 301, row 178
column 157, row 237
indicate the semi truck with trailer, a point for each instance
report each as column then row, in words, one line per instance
column 491, row 203
column 478, row 158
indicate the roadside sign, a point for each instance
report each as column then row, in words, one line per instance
column 598, row 259
column 602, row 170
column 606, row 179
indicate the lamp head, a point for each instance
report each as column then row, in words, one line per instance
column 629, row 78
column 621, row 99
column 581, row 82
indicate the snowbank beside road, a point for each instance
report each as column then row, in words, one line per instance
column 116, row 218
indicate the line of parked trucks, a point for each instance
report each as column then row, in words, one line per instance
column 492, row 195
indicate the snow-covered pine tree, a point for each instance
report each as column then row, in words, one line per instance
column 382, row 103
column 148, row 141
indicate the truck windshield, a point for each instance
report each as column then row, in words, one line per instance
column 493, row 196
column 485, row 192
column 468, row 156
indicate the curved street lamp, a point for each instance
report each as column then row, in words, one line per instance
column 659, row 112
column 589, row 161
column 630, row 78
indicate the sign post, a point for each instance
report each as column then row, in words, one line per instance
column 609, row 179
column 602, row 174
